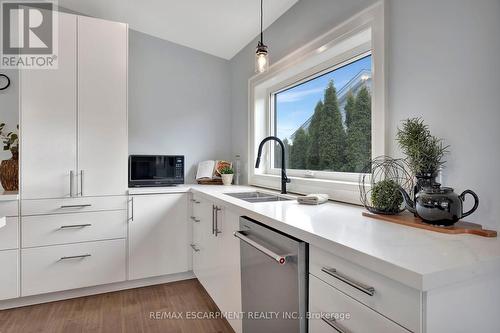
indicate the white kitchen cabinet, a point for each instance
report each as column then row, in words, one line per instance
column 9, row 274
column 341, row 313
column 201, row 219
column 61, row 267
column 159, row 235
column 42, row 230
column 74, row 118
column 9, row 250
column 102, row 107
column 216, row 261
column 48, row 121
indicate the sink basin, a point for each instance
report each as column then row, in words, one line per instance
column 257, row 197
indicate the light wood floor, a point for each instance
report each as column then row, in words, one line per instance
column 122, row 311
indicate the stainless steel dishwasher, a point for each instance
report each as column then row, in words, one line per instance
column 273, row 280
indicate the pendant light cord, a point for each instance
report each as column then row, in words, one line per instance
column 261, row 20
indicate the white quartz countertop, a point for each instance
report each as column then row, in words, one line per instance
column 9, row 196
column 418, row 258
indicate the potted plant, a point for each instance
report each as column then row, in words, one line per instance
column 424, row 152
column 386, row 198
column 227, row 175
column 9, row 169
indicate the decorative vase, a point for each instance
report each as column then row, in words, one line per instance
column 9, row 173
column 227, row 179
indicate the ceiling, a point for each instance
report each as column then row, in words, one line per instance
column 218, row 27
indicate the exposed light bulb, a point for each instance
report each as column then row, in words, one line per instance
column 261, row 59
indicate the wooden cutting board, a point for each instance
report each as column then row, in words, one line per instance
column 409, row 220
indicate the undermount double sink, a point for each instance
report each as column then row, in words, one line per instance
column 257, row 196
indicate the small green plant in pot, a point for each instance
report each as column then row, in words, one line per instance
column 227, row 175
column 386, row 197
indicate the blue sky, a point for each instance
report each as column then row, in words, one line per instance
column 294, row 106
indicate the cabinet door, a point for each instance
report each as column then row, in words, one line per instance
column 227, row 268
column 159, row 235
column 202, row 234
column 48, row 126
column 102, row 107
column 9, row 274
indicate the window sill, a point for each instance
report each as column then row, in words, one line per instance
column 344, row 191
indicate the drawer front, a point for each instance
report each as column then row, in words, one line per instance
column 9, row 234
column 62, row 267
column 340, row 313
column 9, row 208
column 9, row 274
column 41, row 230
column 72, row 205
column 391, row 298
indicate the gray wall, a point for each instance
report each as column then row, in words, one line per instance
column 306, row 20
column 9, row 107
column 178, row 101
column 443, row 66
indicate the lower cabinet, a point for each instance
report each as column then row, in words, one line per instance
column 216, row 255
column 159, row 235
column 9, row 250
column 61, row 267
column 9, row 274
column 334, row 311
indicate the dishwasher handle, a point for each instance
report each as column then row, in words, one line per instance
column 281, row 259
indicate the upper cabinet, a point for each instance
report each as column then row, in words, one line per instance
column 48, row 121
column 102, row 107
column 74, row 118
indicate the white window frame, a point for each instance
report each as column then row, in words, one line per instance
column 362, row 34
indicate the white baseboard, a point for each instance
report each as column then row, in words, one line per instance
column 74, row 293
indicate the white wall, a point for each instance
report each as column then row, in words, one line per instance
column 9, row 108
column 443, row 66
column 178, row 102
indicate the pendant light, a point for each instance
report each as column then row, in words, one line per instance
column 261, row 54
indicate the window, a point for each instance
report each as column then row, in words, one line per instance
column 326, row 101
column 325, row 120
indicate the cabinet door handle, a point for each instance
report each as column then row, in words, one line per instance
column 81, row 256
column 75, row 226
column 131, row 218
column 76, row 206
column 71, row 178
column 195, row 249
column 353, row 283
column 195, row 219
column 216, row 230
column 81, row 183
column 336, row 326
column 213, row 219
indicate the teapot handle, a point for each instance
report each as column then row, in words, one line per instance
column 476, row 202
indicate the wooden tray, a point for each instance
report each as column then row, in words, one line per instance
column 411, row 221
column 210, row 181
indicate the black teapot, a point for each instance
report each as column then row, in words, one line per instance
column 439, row 205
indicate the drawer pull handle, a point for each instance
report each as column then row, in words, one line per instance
column 76, row 206
column 353, row 283
column 195, row 249
column 81, row 256
column 75, row 226
column 195, row 219
column 333, row 324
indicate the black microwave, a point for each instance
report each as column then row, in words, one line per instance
column 155, row 170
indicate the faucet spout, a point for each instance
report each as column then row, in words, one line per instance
column 284, row 178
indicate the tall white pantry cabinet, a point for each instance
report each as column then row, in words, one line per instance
column 73, row 165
